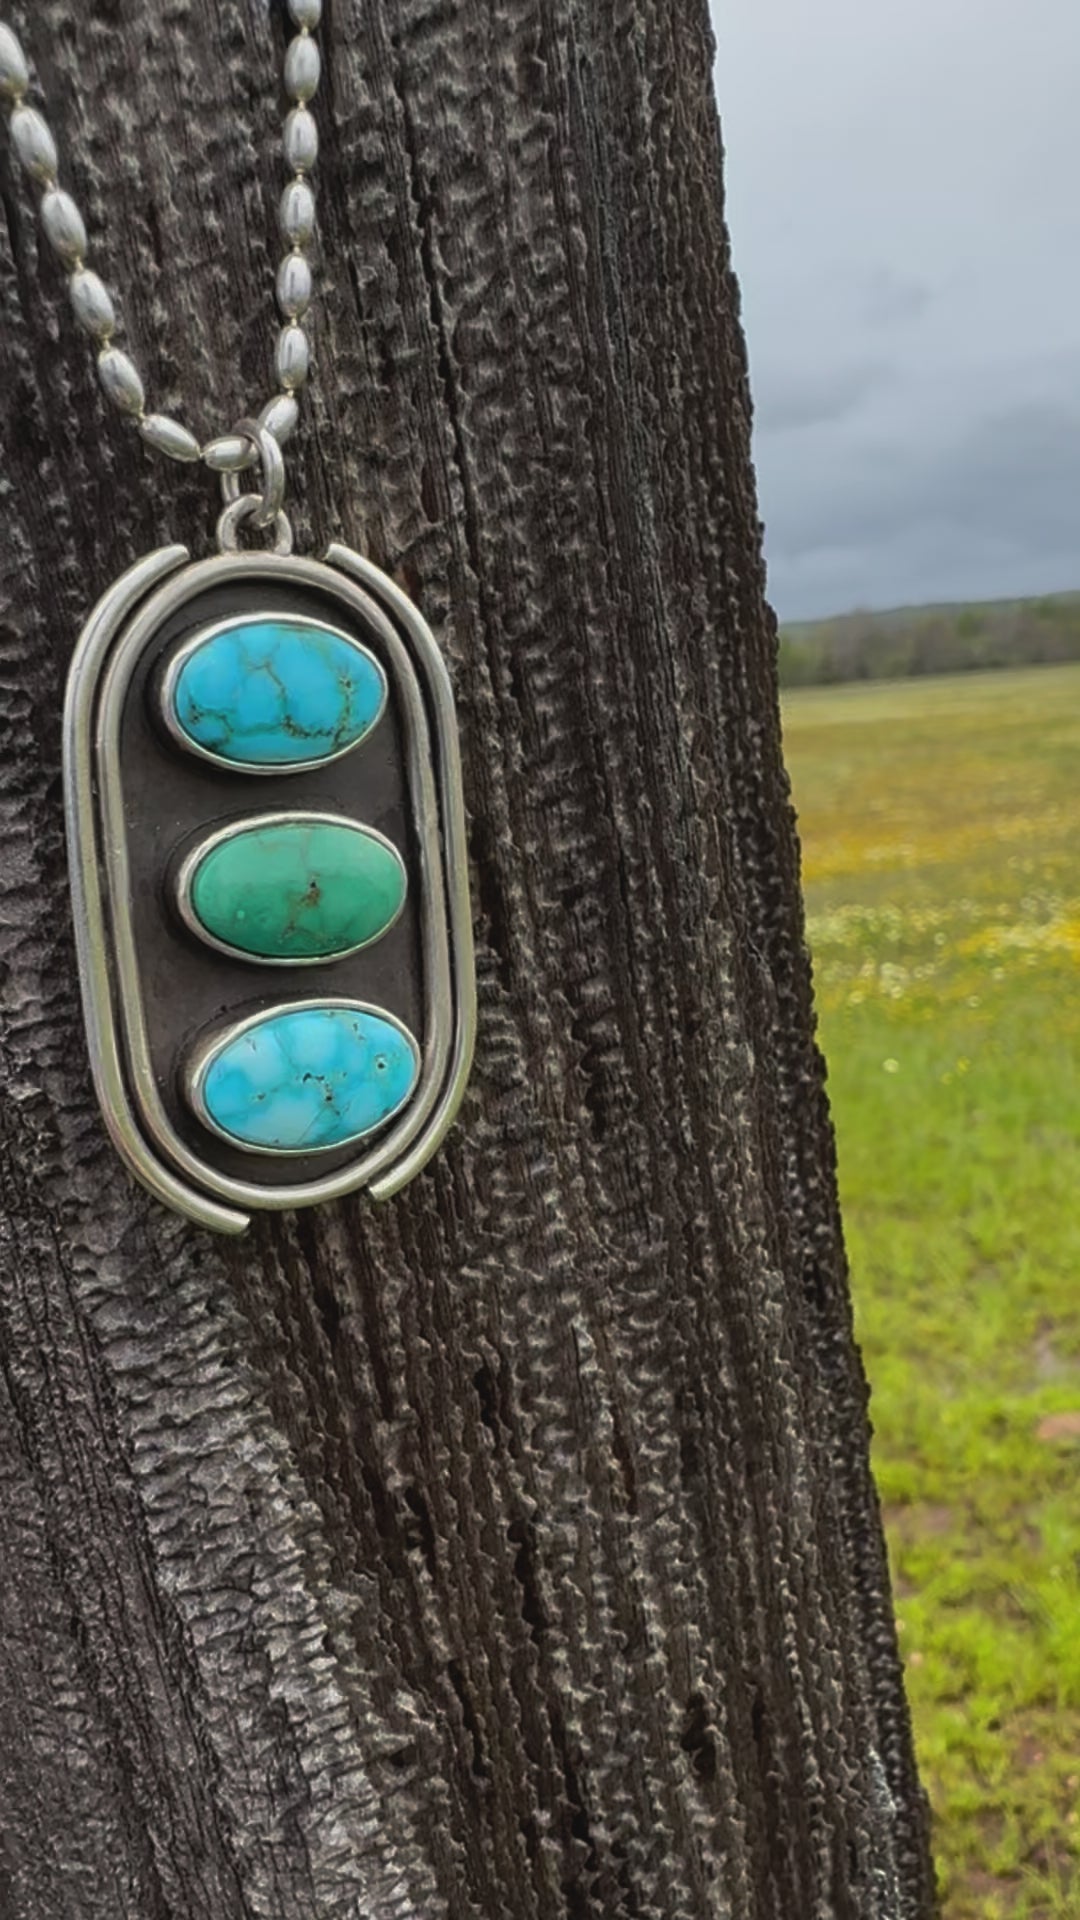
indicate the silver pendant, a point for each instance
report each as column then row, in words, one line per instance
column 269, row 878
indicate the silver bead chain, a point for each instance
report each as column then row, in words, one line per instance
column 35, row 148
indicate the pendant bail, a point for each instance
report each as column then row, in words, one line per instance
column 269, row 465
column 246, row 510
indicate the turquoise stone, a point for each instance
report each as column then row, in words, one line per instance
column 299, row 888
column 275, row 693
column 307, row 1077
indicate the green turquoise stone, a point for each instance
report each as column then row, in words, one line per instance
column 307, row 1077
column 272, row 693
column 295, row 888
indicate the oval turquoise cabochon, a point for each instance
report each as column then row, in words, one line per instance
column 293, row 887
column 306, row 1077
column 273, row 692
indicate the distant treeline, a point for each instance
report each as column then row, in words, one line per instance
column 917, row 640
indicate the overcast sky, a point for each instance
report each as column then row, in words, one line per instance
column 903, row 185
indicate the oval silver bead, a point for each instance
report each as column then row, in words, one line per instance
column 167, row 436
column 63, row 224
column 230, row 453
column 92, row 304
column 305, row 13
column 14, row 72
column 280, row 415
column 120, row 380
column 294, row 283
column 293, row 357
column 300, row 140
column 34, row 145
column 302, row 68
column 297, row 213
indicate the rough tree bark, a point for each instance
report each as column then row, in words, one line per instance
column 508, row 1553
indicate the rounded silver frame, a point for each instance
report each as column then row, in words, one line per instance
column 247, row 823
column 182, row 655
column 108, row 649
column 214, row 1042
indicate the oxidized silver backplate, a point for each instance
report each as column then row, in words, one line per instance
column 181, row 1016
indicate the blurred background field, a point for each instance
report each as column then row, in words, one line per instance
column 940, row 822
column 910, row 641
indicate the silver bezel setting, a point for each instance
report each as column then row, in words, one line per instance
column 183, row 653
column 106, row 656
column 194, row 1073
column 252, row 823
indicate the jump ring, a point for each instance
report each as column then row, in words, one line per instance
column 271, row 462
column 248, row 508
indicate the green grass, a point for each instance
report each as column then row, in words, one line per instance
column 941, row 835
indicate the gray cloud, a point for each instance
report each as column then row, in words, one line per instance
column 901, row 193
column 879, row 492
column 989, row 510
column 790, row 399
column 891, row 298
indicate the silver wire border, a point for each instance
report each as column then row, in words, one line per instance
column 179, row 660
column 107, row 1065
column 455, row 853
column 212, row 1044
column 438, row 979
column 438, row 813
column 249, row 823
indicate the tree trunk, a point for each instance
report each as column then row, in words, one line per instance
column 507, row 1552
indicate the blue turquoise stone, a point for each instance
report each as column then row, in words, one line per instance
column 276, row 693
column 308, row 1077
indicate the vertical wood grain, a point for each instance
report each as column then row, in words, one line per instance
column 508, row 1552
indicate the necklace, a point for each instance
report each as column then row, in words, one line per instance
column 263, row 800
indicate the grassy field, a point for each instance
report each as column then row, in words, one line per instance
column 941, row 834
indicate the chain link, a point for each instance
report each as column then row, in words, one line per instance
column 246, row 446
column 246, row 510
column 273, row 473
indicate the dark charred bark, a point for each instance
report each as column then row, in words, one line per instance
column 508, row 1552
